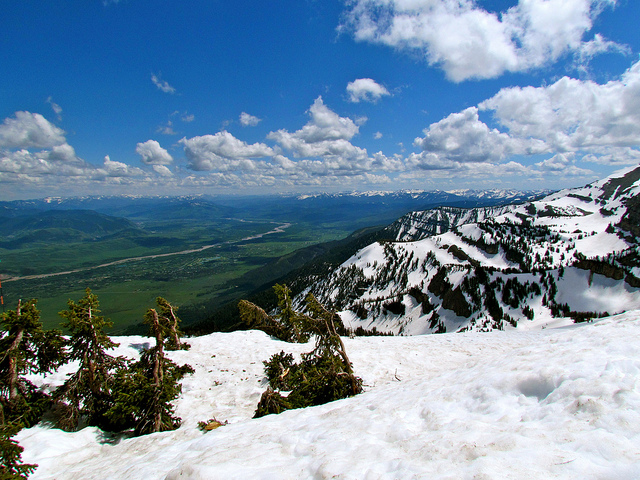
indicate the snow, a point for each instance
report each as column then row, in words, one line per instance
column 553, row 403
column 584, row 292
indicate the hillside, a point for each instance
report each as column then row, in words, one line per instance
column 570, row 256
column 27, row 227
column 553, row 403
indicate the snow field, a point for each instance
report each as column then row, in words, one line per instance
column 561, row 403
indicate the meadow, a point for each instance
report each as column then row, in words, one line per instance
column 196, row 281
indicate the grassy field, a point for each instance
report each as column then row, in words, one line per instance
column 127, row 290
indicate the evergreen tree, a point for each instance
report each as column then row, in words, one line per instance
column 169, row 322
column 11, row 466
column 324, row 374
column 144, row 391
column 87, row 393
column 286, row 324
column 25, row 348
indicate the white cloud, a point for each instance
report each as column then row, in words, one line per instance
column 365, row 89
column 326, row 134
column 162, row 171
column 377, row 135
column 153, row 154
column 167, row 129
column 247, row 120
column 30, row 130
column 112, row 168
column 187, row 117
column 613, row 156
column 564, row 165
column 35, row 156
column 62, row 153
column 162, row 85
column 467, row 41
column 462, row 137
column 223, row 152
column 599, row 45
column 323, row 148
column 381, row 162
column 55, row 107
column 573, row 115
column 573, row 120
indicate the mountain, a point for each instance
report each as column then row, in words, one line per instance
column 535, row 402
column 570, row 256
column 22, row 227
column 363, row 207
column 132, row 207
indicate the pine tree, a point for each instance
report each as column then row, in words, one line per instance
column 11, row 466
column 25, row 348
column 87, row 393
column 169, row 323
column 286, row 324
column 144, row 391
column 324, row 374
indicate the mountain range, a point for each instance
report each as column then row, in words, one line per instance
column 532, row 402
column 570, row 256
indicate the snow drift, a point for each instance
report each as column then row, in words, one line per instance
column 551, row 403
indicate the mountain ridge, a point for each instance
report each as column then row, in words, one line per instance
column 570, row 256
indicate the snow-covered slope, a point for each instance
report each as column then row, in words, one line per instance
column 571, row 255
column 554, row 403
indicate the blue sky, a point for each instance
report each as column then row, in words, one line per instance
column 185, row 97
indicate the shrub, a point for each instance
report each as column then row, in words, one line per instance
column 323, row 375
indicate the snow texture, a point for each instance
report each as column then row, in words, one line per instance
column 552, row 403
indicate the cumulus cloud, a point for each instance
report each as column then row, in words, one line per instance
column 563, row 164
column 167, row 129
column 30, row 130
column 35, row 155
column 326, row 134
column 153, row 154
column 222, row 152
column 462, row 137
column 420, row 164
column 111, row 168
column 247, row 120
column 64, row 153
column 599, row 45
column 365, row 89
column 322, row 148
column 467, row 41
column 162, row 170
column 162, row 85
column 31, row 146
column 571, row 120
column 571, row 114
column 613, row 156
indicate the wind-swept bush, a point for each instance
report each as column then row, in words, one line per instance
column 11, row 466
column 87, row 394
column 144, row 390
column 323, row 375
column 286, row 324
column 25, row 348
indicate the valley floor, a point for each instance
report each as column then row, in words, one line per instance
column 553, row 403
